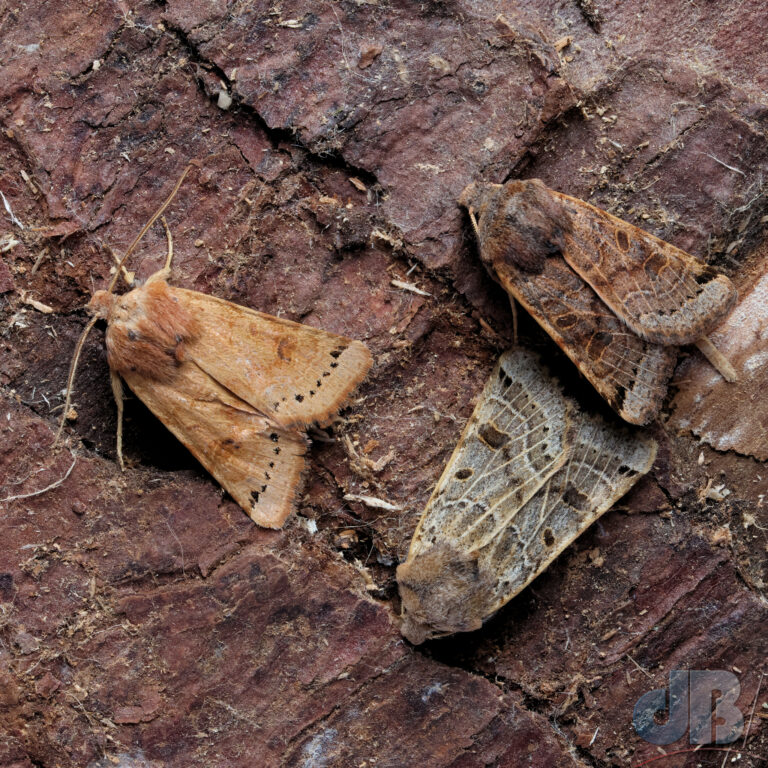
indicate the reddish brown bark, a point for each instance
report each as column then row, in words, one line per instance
column 143, row 617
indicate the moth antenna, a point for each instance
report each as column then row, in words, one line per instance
column 169, row 236
column 117, row 393
column 472, row 218
column 717, row 359
column 71, row 375
column 129, row 277
column 146, row 227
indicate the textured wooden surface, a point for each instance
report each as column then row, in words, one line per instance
column 144, row 620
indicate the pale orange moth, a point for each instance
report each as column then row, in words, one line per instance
column 237, row 387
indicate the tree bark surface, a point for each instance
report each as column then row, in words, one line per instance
column 144, row 620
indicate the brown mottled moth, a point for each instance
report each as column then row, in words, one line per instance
column 236, row 386
column 530, row 473
column 616, row 299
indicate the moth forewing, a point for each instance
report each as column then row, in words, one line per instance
column 297, row 374
column 606, row 461
column 258, row 462
column 629, row 372
column 517, row 436
column 661, row 292
column 456, row 577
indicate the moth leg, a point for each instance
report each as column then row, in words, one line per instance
column 169, row 257
column 717, row 359
column 71, row 376
column 117, row 392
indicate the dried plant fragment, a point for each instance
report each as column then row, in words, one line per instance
column 236, row 386
column 731, row 417
column 505, row 507
column 616, row 299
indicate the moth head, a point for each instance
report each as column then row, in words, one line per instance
column 476, row 196
column 520, row 222
column 101, row 304
column 443, row 590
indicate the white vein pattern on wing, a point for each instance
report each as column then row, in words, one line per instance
column 509, row 406
column 502, row 502
column 541, row 396
column 490, row 470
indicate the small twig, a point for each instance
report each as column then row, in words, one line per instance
column 47, row 488
column 14, row 220
column 129, row 277
column 644, row 671
column 35, row 304
column 372, row 501
column 7, row 242
column 39, row 261
column 752, row 713
column 725, row 165
column 181, row 546
column 409, row 287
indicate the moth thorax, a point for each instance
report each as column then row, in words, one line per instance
column 147, row 332
column 101, row 304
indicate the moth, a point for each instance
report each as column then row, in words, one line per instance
column 617, row 300
column 530, row 473
column 237, row 387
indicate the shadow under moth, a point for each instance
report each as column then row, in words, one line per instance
column 237, row 387
column 530, row 473
column 617, row 300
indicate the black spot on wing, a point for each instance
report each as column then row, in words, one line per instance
column 491, row 436
column 575, row 498
column 504, row 378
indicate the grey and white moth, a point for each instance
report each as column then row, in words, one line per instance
column 530, row 473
